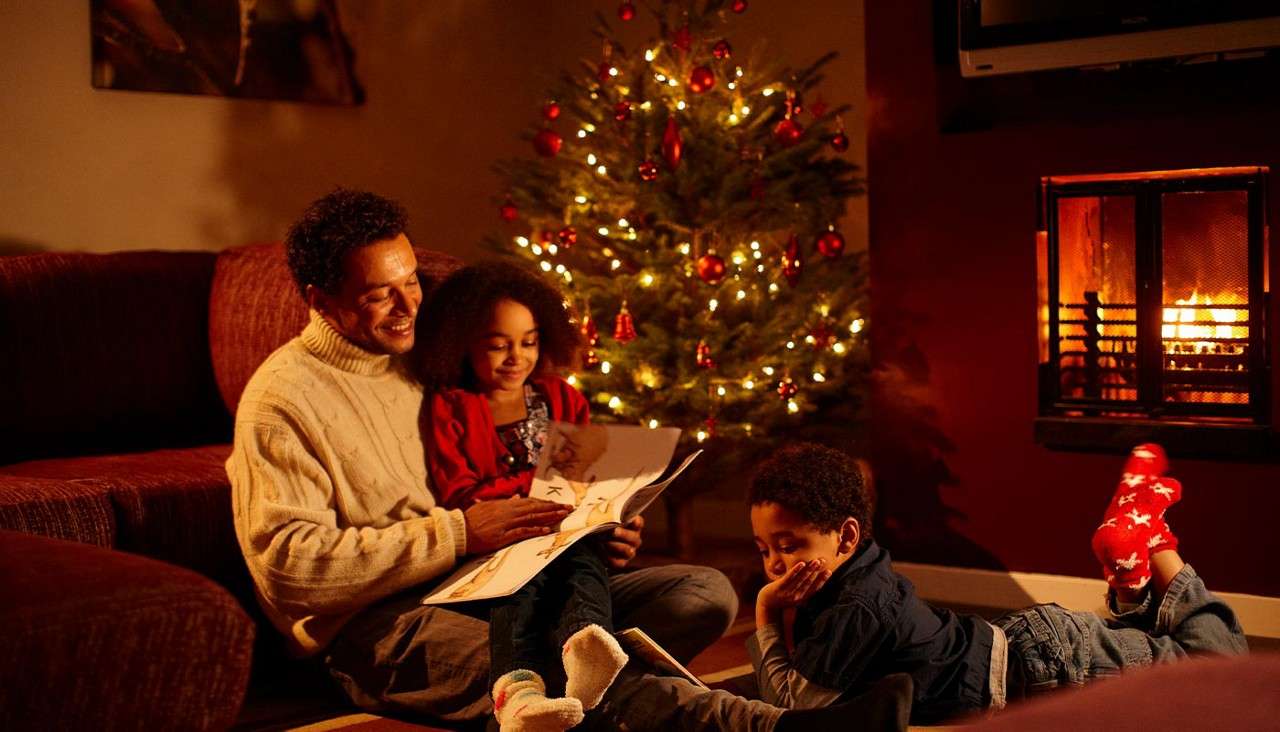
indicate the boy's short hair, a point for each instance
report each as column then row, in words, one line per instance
column 318, row 242
column 822, row 485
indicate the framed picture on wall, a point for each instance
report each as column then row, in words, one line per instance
column 291, row 50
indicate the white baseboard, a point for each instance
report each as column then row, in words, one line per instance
column 1259, row 615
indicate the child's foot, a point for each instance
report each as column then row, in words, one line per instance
column 885, row 707
column 1133, row 526
column 592, row 660
column 520, row 704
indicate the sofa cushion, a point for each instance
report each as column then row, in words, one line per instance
column 173, row 505
column 100, row 639
column 255, row 307
column 72, row 510
column 106, row 353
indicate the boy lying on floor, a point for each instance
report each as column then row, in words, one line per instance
column 856, row 620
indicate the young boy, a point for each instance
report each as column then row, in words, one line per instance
column 857, row 620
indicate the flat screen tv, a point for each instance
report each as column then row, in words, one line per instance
column 1014, row 36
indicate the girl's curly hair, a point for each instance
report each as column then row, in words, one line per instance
column 461, row 307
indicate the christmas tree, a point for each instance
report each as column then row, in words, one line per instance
column 685, row 197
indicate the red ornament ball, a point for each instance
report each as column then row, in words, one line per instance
column 622, row 111
column 627, row 11
column 648, row 171
column 739, row 6
column 551, row 111
column 509, row 212
column 840, row 141
column 722, row 49
column 547, row 143
column 605, row 72
column 568, row 236
column 711, row 268
column 787, row 388
column 831, row 244
column 546, row 237
column 787, row 132
column 701, row 79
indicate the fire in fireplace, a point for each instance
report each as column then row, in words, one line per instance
column 1153, row 301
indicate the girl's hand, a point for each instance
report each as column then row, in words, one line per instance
column 790, row 590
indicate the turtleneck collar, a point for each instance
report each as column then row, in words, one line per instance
column 333, row 348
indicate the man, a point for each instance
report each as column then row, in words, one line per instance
column 340, row 530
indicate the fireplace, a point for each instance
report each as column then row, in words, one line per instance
column 1153, row 299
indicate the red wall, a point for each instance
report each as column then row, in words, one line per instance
column 952, row 217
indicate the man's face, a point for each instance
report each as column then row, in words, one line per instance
column 377, row 302
column 785, row 539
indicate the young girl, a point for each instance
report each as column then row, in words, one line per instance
column 487, row 357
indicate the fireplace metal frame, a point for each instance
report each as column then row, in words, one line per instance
column 1214, row 429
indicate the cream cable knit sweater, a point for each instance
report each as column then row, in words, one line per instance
column 329, row 485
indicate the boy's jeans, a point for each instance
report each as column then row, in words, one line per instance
column 1050, row 646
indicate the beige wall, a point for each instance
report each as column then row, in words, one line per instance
column 449, row 83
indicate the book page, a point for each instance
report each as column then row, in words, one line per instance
column 640, row 498
column 638, row 643
column 596, row 468
column 581, row 463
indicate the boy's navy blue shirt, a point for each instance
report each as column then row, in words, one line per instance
column 867, row 622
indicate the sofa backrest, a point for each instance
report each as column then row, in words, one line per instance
column 105, row 353
column 254, row 308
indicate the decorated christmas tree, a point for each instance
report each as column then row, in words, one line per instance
column 685, row 196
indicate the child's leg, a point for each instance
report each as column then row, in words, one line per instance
column 1050, row 646
column 1133, row 526
column 517, row 664
column 592, row 656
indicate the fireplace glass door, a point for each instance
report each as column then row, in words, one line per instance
column 1153, row 300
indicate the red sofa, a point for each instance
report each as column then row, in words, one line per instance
column 121, row 374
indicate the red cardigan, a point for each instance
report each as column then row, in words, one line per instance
column 464, row 452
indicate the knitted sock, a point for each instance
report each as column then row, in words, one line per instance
column 520, row 704
column 592, row 660
column 1133, row 525
column 885, row 707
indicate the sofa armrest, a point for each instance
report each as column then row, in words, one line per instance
column 100, row 639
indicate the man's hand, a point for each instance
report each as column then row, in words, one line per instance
column 790, row 590
column 621, row 544
column 496, row 523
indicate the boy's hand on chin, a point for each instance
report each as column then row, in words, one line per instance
column 790, row 590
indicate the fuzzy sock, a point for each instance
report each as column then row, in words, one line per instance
column 592, row 660
column 1133, row 525
column 520, row 704
column 885, row 707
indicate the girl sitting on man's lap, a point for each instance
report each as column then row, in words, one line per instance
column 488, row 355
column 856, row 620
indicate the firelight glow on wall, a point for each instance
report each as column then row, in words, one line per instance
column 1153, row 299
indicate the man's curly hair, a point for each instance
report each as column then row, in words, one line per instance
column 822, row 485
column 318, row 242
column 460, row 308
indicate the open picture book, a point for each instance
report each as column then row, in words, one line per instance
column 607, row 472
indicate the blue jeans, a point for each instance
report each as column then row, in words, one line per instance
column 1051, row 647
column 401, row 656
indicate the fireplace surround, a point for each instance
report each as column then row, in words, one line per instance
column 1153, row 301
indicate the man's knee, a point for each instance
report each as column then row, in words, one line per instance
column 709, row 601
